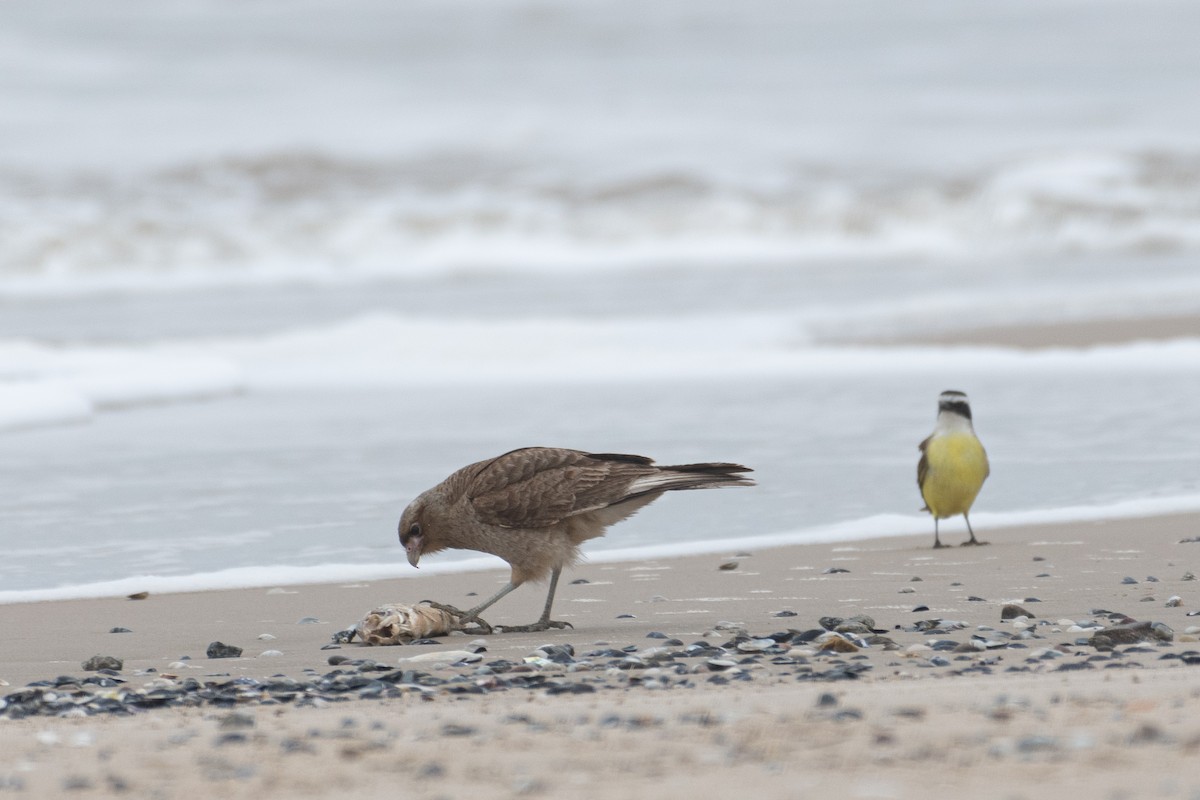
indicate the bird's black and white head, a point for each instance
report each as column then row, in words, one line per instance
column 411, row 532
column 954, row 410
column 954, row 402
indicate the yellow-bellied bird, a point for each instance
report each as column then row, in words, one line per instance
column 533, row 507
column 953, row 464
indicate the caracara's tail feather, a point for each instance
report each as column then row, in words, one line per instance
column 691, row 476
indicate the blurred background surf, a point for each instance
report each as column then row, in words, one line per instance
column 267, row 269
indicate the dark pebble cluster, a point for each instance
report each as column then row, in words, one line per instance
column 553, row 668
column 839, row 649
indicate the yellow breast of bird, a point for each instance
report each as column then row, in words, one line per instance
column 957, row 467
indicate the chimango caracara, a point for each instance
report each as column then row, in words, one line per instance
column 953, row 464
column 533, row 507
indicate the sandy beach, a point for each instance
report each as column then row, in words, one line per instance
column 908, row 716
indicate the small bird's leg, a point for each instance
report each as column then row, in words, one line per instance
column 937, row 543
column 972, row 540
column 544, row 623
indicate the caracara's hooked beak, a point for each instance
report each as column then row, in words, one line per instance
column 413, row 549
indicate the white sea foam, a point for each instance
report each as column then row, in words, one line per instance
column 388, row 350
column 43, row 384
column 878, row 526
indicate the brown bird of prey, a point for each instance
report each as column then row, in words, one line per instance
column 533, row 507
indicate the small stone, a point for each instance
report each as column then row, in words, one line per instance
column 1131, row 633
column 307, row 621
column 915, row 579
column 1012, row 611
column 919, row 609
column 120, row 630
column 236, row 721
column 974, row 599
column 222, row 650
column 266, row 637
column 835, row 570
column 1128, row 580
column 826, row 700
column 1187, row 576
column 580, row 582
column 270, row 653
column 1151, row 579
column 860, row 624
column 784, row 613
column 97, row 663
column 1039, row 558
column 626, row 616
column 137, row 596
column 907, row 590
column 456, row 729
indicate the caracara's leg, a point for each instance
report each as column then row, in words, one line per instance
column 545, row 623
column 972, row 540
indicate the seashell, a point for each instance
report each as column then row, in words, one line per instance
column 397, row 623
column 838, row 644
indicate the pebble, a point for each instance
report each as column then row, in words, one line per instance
column 266, row 637
column 97, row 663
column 222, row 650
column 120, row 630
column 1012, row 611
column 728, row 566
column 1174, row 601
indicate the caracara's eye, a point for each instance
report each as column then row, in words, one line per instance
column 415, row 530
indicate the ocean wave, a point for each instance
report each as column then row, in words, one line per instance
column 305, row 217
column 48, row 384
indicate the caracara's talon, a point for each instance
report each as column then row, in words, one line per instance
column 480, row 626
column 535, row 627
column 448, row 609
